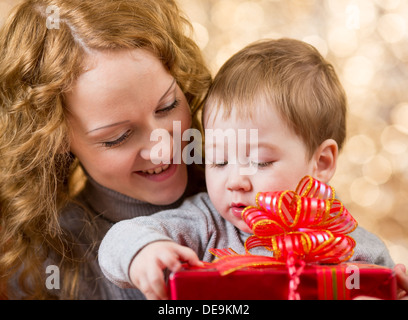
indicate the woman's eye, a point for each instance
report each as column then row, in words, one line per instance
column 119, row 141
column 168, row 108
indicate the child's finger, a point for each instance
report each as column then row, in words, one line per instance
column 156, row 288
column 170, row 260
column 188, row 255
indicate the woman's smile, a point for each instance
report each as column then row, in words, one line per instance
column 159, row 174
column 157, row 170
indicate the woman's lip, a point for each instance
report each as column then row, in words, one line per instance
column 158, row 166
column 159, row 177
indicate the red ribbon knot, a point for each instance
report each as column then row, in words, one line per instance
column 304, row 226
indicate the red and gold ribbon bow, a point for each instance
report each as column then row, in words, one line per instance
column 308, row 223
column 302, row 226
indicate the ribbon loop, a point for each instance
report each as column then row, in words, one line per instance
column 309, row 223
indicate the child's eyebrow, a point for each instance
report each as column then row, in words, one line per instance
column 266, row 146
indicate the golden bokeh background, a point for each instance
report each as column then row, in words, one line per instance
column 367, row 42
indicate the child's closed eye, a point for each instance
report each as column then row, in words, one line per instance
column 219, row 164
column 262, row 164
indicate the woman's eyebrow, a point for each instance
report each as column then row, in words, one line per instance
column 168, row 90
column 109, row 125
column 122, row 122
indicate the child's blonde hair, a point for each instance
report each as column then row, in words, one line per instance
column 290, row 75
column 42, row 46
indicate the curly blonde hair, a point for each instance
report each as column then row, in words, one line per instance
column 37, row 65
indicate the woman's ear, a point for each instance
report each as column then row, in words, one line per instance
column 325, row 160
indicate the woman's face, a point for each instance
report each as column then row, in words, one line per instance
column 112, row 111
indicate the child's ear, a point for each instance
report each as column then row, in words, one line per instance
column 325, row 160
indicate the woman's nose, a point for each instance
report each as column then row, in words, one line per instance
column 159, row 147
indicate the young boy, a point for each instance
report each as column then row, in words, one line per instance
column 286, row 91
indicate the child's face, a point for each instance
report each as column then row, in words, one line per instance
column 282, row 162
column 112, row 111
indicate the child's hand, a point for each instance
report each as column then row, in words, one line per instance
column 402, row 281
column 146, row 269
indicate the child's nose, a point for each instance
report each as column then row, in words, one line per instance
column 239, row 182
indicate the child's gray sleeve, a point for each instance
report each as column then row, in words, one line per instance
column 189, row 225
column 369, row 248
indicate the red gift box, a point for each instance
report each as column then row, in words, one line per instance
column 344, row 281
column 307, row 232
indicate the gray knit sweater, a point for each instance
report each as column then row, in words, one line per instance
column 197, row 224
column 106, row 207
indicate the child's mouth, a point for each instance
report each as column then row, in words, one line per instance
column 236, row 209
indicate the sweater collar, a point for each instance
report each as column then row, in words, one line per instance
column 115, row 206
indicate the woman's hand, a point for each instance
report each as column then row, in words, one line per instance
column 402, row 284
column 146, row 269
column 402, row 281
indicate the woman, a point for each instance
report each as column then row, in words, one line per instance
column 83, row 86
